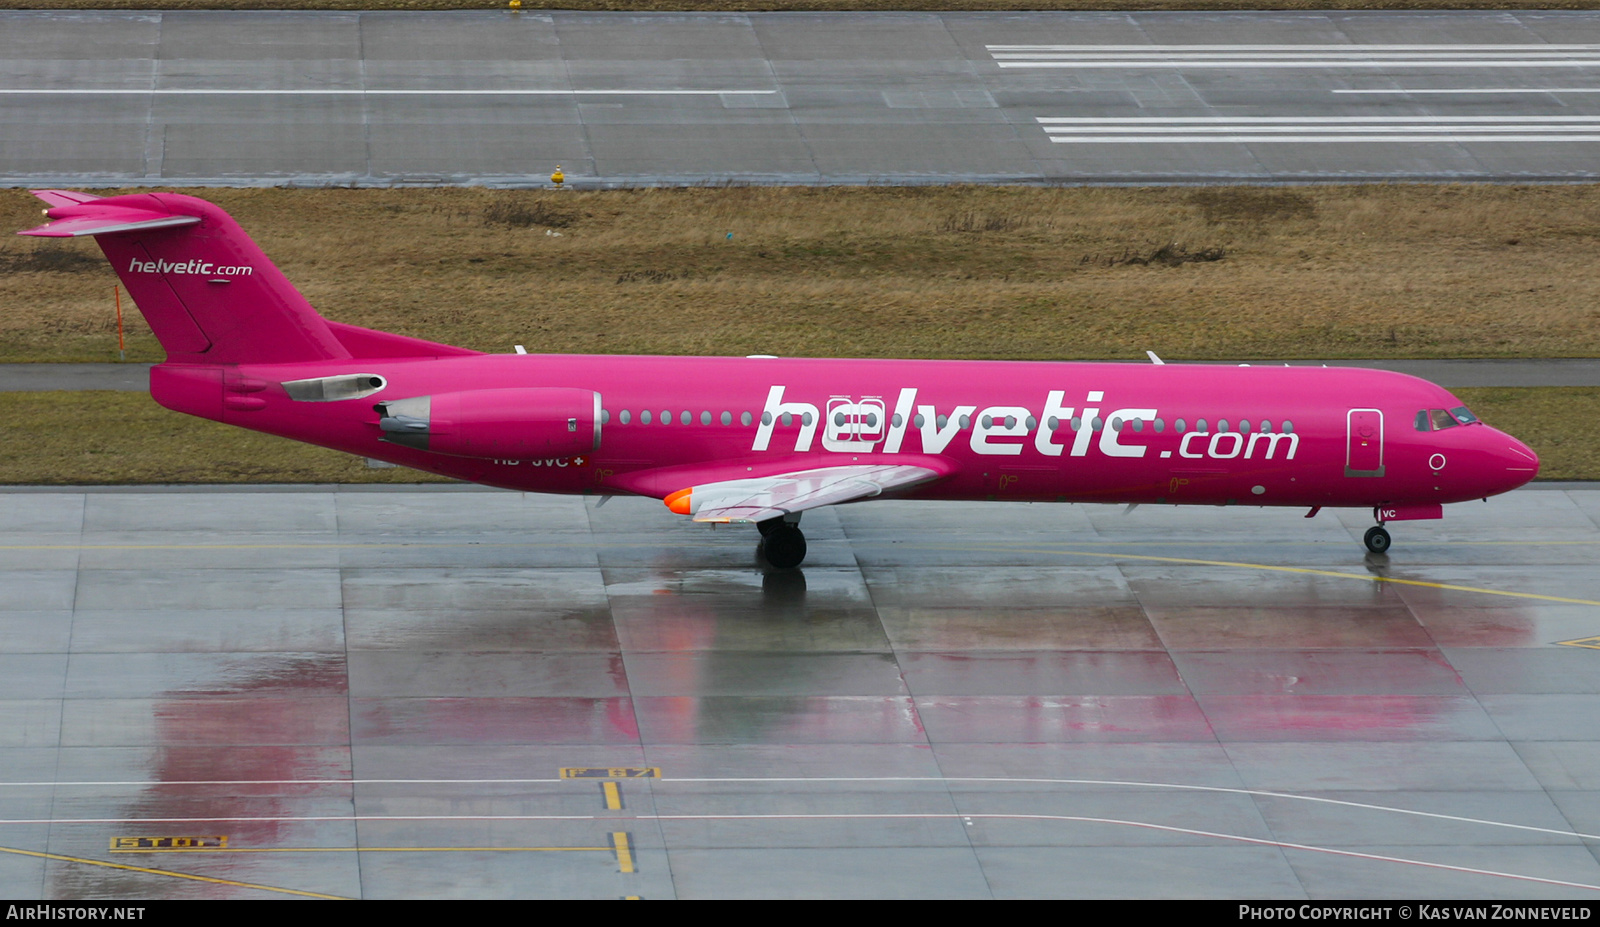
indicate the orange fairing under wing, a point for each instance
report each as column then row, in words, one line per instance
column 759, row 499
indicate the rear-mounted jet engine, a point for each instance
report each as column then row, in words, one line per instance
column 502, row 424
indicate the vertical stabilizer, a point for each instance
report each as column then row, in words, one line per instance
column 208, row 292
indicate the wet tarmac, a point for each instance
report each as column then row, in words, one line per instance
column 451, row 692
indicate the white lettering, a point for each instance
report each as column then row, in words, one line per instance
column 1272, row 444
column 901, row 420
column 852, row 426
column 1043, row 439
column 776, row 407
column 934, row 438
column 1183, row 446
column 191, row 266
column 1003, row 422
column 1109, row 445
column 1080, row 444
column 1238, row 443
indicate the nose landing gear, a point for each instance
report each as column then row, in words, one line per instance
column 782, row 544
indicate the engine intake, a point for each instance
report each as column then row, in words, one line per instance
column 505, row 424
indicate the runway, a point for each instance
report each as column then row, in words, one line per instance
column 501, row 98
column 452, row 692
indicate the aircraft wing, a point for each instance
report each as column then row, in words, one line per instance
column 753, row 500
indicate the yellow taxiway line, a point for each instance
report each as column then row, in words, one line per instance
column 170, row 874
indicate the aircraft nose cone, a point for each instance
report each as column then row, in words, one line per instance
column 1520, row 462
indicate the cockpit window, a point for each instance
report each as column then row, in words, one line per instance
column 1422, row 421
column 1441, row 419
column 1463, row 416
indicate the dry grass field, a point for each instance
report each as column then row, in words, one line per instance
column 973, row 272
column 91, row 437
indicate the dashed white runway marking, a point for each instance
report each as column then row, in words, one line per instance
column 1295, row 56
column 1190, row 130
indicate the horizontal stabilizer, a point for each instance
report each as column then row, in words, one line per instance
column 64, row 197
column 88, row 219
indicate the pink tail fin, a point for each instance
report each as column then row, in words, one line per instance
column 208, row 292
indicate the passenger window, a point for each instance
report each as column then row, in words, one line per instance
column 644, row 416
column 626, row 417
column 744, row 418
column 1441, row 419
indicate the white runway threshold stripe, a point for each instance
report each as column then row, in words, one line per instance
column 1190, row 130
column 1295, row 56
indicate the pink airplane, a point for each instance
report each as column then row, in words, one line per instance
column 762, row 439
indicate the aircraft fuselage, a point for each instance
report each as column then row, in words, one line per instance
column 1026, row 431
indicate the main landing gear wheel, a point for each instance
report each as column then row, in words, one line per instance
column 784, row 546
column 1377, row 539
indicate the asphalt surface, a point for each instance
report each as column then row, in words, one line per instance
column 1447, row 373
column 496, row 97
column 374, row 693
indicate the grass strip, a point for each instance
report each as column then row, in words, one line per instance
column 957, row 271
column 102, row 437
